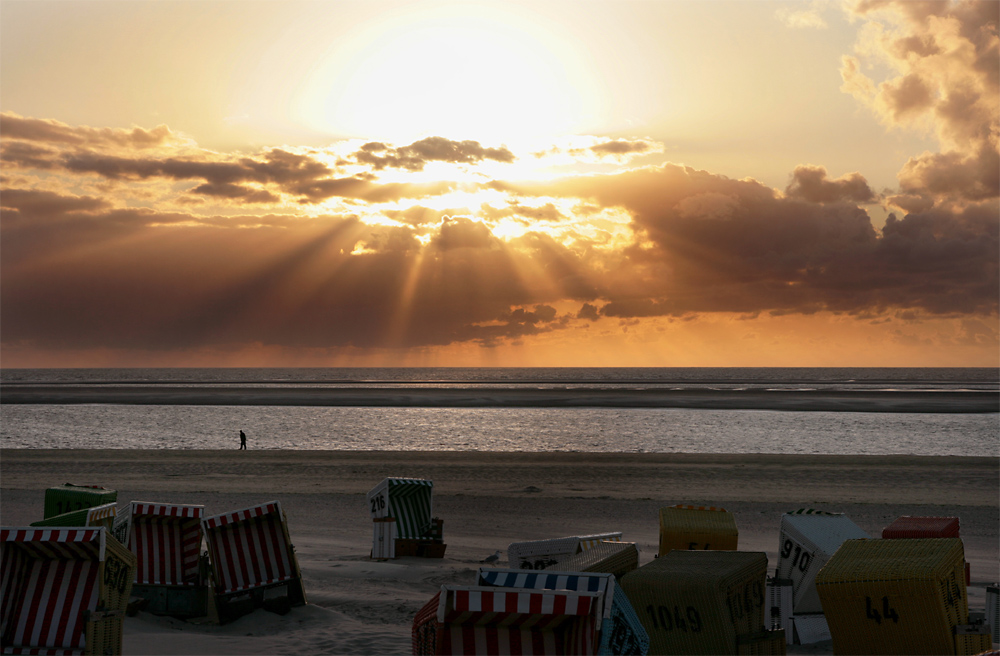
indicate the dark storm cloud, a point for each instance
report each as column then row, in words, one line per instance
column 432, row 149
column 716, row 244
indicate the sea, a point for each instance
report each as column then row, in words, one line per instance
column 512, row 427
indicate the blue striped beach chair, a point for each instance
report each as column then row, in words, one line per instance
column 621, row 631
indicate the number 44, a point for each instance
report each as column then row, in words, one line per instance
column 887, row 612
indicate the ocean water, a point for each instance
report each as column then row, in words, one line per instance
column 594, row 429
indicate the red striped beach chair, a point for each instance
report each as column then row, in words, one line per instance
column 253, row 561
column 620, row 632
column 63, row 590
column 491, row 620
column 167, row 542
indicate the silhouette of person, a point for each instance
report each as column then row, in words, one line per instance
column 243, row 441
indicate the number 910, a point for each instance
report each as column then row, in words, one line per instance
column 801, row 558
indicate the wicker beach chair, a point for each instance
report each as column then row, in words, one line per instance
column 697, row 528
column 922, row 527
column 63, row 590
column 490, row 620
column 925, row 527
column 993, row 611
column 253, row 561
column 539, row 554
column 704, row 602
column 167, row 542
column 904, row 596
column 621, row 632
column 618, row 558
column 808, row 539
column 69, row 497
column 402, row 514
column 104, row 515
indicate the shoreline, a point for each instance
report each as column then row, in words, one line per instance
column 954, row 480
column 489, row 397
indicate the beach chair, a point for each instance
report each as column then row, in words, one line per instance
column 993, row 611
column 167, row 542
column 925, row 527
column 904, row 596
column 104, row 515
column 704, row 602
column 539, row 554
column 808, row 539
column 697, row 528
column 402, row 516
column 609, row 556
column 491, row 620
column 69, row 497
column 253, row 561
column 63, row 590
column 621, row 632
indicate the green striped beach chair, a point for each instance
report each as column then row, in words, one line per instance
column 402, row 510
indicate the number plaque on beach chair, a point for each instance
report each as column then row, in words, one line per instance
column 63, row 590
column 253, row 561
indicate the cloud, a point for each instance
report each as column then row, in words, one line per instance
column 618, row 147
column 14, row 126
column 103, row 245
column 260, row 179
column 432, row 149
column 809, row 17
column 811, row 183
column 707, row 243
column 945, row 63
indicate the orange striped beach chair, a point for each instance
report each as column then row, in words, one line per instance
column 63, row 590
column 253, row 561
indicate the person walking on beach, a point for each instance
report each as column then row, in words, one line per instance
column 243, row 441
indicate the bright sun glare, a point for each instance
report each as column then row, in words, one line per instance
column 470, row 75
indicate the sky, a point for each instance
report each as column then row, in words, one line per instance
column 544, row 183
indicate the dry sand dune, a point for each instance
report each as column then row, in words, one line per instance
column 358, row 605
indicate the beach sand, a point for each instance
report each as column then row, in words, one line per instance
column 488, row 500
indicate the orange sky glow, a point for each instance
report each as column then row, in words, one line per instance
column 342, row 183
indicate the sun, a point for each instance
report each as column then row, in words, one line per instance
column 462, row 72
